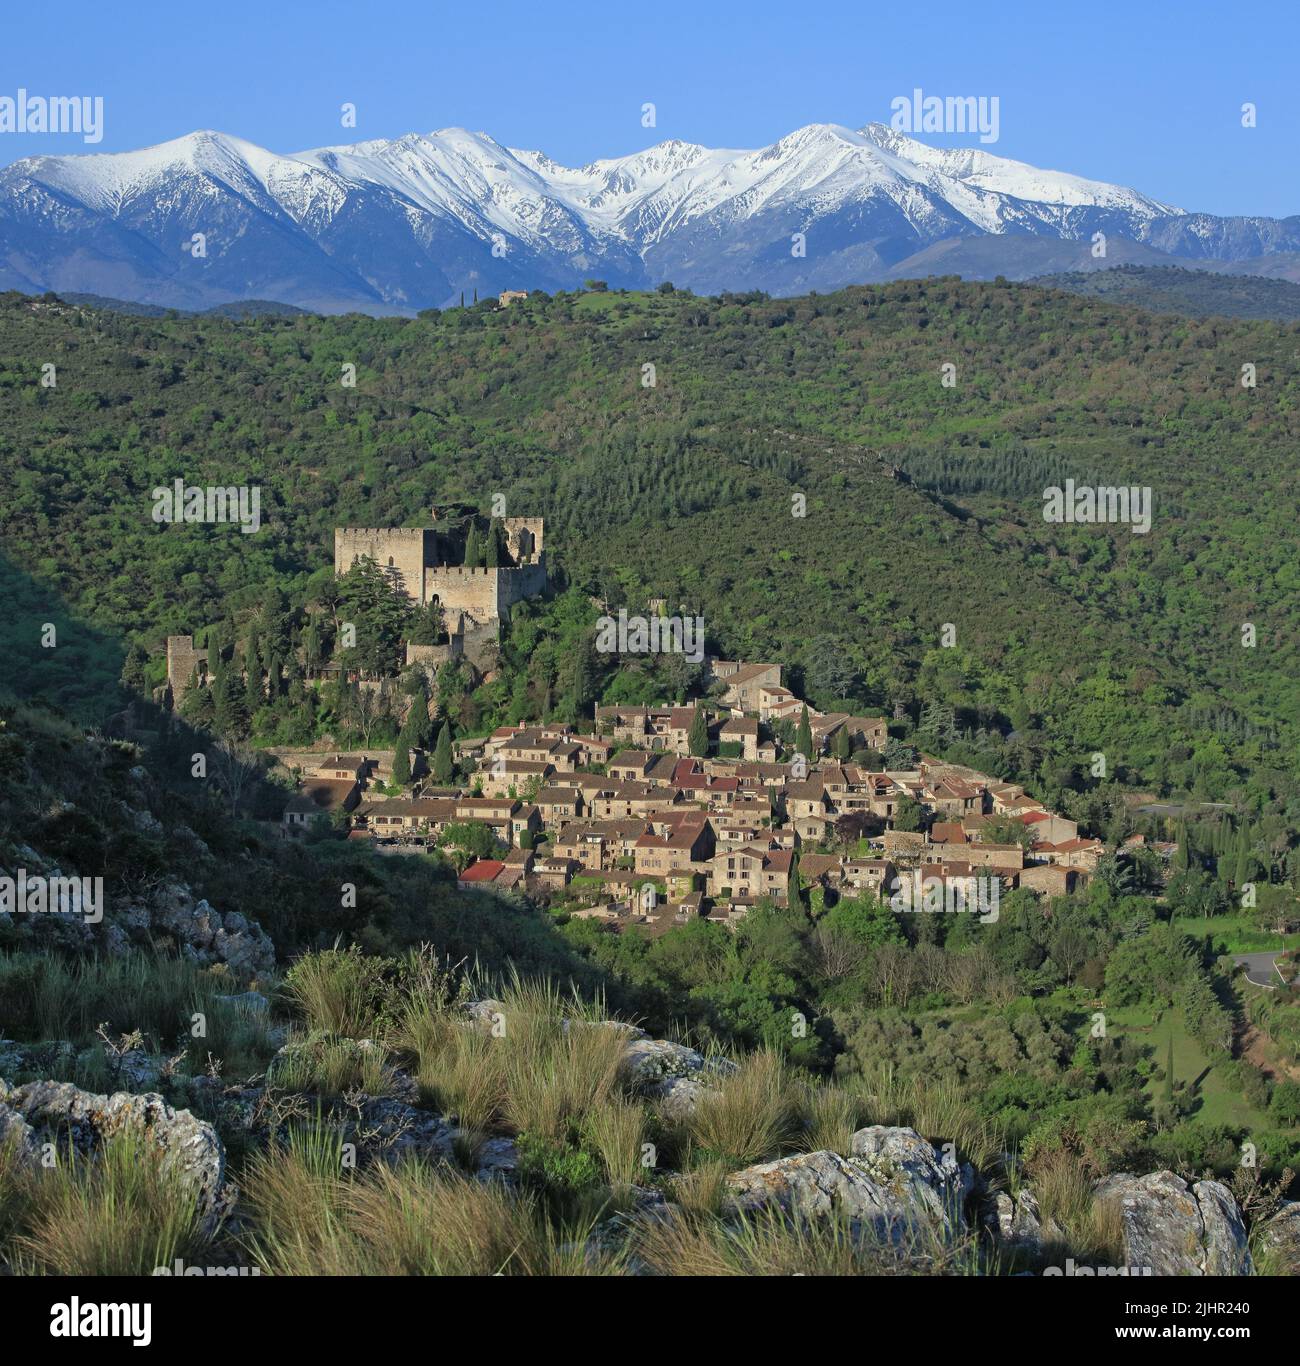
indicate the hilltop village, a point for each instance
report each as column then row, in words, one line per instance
column 654, row 814
column 658, row 814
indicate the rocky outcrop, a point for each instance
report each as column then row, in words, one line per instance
column 896, row 1187
column 674, row 1077
column 1171, row 1229
column 43, row 1112
column 1280, row 1239
column 203, row 934
column 1018, row 1222
column 916, row 1170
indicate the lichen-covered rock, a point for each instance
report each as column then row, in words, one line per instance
column 674, row 1077
column 134, row 1070
column 46, row 1057
column 390, row 1129
column 17, row 1136
column 206, row 936
column 1018, row 1222
column 1173, row 1230
column 486, row 1013
column 676, row 1098
column 916, row 1169
column 1280, row 1238
column 64, row 1114
column 651, row 1060
column 893, row 1201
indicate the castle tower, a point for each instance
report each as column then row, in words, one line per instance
column 182, row 660
column 475, row 601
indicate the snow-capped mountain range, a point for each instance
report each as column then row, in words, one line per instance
column 396, row 226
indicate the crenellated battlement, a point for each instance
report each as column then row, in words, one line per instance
column 455, row 571
column 397, row 532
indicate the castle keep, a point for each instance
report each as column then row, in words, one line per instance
column 427, row 563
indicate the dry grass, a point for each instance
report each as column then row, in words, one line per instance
column 698, row 1192
column 1090, row 1229
column 460, row 1071
column 295, row 1197
column 936, row 1110
column 831, row 1116
column 768, row 1244
column 118, row 1213
column 330, row 1068
column 615, row 1130
column 753, row 1115
column 311, row 1217
column 339, row 991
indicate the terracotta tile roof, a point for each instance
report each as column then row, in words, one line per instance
column 485, row 870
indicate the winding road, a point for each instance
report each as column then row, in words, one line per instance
column 1259, row 967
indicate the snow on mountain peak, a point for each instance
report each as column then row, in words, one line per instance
column 631, row 202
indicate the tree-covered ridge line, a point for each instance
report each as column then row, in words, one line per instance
column 1069, row 639
column 1175, row 289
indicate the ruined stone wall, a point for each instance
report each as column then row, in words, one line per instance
column 182, row 659
column 528, row 581
column 524, row 536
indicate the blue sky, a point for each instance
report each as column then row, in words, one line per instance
column 1143, row 94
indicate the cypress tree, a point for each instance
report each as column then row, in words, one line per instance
column 803, row 736
column 1181, row 859
column 444, row 767
column 697, row 741
column 473, row 547
column 401, row 763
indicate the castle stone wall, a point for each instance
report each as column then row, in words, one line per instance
column 402, row 552
column 182, row 660
column 524, row 536
column 478, row 599
column 461, row 589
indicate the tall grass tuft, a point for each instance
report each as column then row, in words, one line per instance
column 118, row 1213
column 831, row 1116
column 615, row 1129
column 753, row 1114
column 340, row 991
column 770, row 1244
column 308, row 1217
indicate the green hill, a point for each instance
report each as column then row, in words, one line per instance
column 924, row 502
column 1172, row 289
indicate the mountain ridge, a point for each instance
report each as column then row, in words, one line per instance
column 408, row 223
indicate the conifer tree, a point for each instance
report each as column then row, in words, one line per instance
column 803, row 736
column 473, row 547
column 401, row 763
column 444, row 768
column 697, row 740
column 1181, row 860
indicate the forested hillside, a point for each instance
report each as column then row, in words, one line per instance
column 663, row 438
column 1174, row 289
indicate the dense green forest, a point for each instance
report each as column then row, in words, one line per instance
column 665, row 439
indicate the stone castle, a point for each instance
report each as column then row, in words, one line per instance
column 427, row 563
